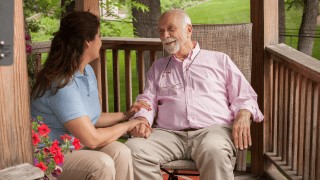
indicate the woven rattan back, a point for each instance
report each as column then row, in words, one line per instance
column 233, row 39
column 236, row 41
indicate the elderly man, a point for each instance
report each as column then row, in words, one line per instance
column 203, row 104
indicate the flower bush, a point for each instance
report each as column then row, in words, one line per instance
column 48, row 155
column 31, row 60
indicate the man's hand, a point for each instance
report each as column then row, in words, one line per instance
column 137, row 106
column 241, row 129
column 141, row 130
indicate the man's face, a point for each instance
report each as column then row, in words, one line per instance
column 172, row 33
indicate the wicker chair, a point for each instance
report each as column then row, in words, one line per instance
column 236, row 41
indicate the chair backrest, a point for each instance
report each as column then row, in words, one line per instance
column 236, row 41
column 233, row 39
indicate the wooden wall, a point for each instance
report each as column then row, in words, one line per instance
column 15, row 133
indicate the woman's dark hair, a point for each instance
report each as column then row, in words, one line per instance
column 65, row 53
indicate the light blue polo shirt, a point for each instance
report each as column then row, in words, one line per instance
column 79, row 98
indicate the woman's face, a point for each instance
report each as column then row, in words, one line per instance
column 94, row 47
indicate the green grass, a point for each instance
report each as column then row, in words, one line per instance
column 220, row 12
column 238, row 11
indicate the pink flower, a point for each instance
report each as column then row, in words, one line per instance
column 35, row 139
column 27, row 37
column 43, row 130
column 42, row 166
column 55, row 149
column 55, row 143
column 66, row 137
column 46, row 150
column 58, row 158
column 57, row 171
column 28, row 48
column 76, row 143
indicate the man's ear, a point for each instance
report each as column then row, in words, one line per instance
column 189, row 30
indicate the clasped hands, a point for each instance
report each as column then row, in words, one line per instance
column 139, row 126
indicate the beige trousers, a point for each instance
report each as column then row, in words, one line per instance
column 211, row 148
column 110, row 162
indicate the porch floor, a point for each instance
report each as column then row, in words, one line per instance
column 237, row 176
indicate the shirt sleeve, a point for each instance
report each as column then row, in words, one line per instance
column 149, row 95
column 240, row 93
column 66, row 104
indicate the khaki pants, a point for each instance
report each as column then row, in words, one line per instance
column 211, row 148
column 111, row 162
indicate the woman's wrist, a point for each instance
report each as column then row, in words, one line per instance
column 125, row 115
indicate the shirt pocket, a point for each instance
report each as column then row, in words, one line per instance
column 170, row 89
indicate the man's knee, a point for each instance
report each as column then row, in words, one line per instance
column 216, row 153
column 133, row 145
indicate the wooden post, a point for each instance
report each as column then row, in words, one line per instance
column 15, row 133
column 93, row 7
column 264, row 17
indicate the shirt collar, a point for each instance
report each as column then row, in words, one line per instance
column 79, row 74
column 192, row 53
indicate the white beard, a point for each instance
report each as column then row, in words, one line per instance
column 173, row 47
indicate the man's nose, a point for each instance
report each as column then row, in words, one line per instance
column 166, row 34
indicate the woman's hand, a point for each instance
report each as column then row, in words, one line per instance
column 137, row 107
column 138, row 122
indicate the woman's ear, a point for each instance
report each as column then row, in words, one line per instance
column 87, row 43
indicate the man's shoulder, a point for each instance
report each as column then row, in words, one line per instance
column 213, row 52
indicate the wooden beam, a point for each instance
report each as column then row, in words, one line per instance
column 15, row 134
column 93, row 7
column 88, row 5
column 264, row 17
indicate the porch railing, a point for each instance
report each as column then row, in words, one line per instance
column 292, row 94
column 141, row 46
column 292, row 112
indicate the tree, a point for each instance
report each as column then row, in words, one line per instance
column 308, row 23
column 145, row 22
column 308, row 26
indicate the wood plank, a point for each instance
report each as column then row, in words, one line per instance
column 302, row 125
column 285, row 114
column 268, row 104
column 88, row 5
column 296, row 122
column 128, row 79
column 313, row 132
column 290, row 118
column 116, row 80
column 15, row 134
column 316, row 116
column 280, row 111
column 104, row 81
column 282, row 167
column 307, row 134
column 296, row 60
column 275, row 106
column 23, row 172
column 141, row 71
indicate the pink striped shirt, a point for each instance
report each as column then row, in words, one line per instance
column 204, row 89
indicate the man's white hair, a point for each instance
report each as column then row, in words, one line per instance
column 183, row 15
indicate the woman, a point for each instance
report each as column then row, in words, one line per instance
column 66, row 96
